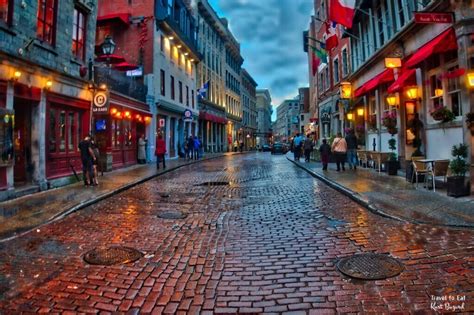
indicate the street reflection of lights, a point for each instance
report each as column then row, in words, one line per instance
column 36, row 275
column 38, row 230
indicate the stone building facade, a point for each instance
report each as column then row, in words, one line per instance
column 249, row 110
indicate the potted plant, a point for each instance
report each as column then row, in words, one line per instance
column 442, row 114
column 457, row 185
column 470, row 122
column 389, row 121
column 392, row 163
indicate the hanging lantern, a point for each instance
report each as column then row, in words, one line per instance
column 392, row 100
column 113, row 111
column 345, row 90
column 350, row 116
column 470, row 79
column 360, row 112
column 412, row 92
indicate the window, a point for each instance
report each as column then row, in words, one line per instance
column 162, row 83
column 79, row 34
column 345, row 65
column 336, row 70
column 454, row 90
column 436, row 85
column 192, row 97
column 46, row 23
column 6, row 11
column 180, row 85
column 401, row 12
column 117, row 133
column 380, row 25
column 326, row 79
column 187, row 95
column 172, row 87
column 127, row 132
column 321, row 83
column 162, row 43
column 65, row 130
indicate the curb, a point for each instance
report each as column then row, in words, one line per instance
column 111, row 193
column 361, row 201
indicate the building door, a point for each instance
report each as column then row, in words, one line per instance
column 22, row 142
column 172, row 135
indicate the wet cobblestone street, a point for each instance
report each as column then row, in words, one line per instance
column 267, row 242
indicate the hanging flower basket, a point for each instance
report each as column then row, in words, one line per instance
column 442, row 114
column 389, row 121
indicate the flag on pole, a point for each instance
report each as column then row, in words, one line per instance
column 315, row 63
column 342, row 12
column 321, row 54
column 202, row 92
column 331, row 41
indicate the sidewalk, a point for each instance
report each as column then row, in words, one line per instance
column 20, row 215
column 394, row 197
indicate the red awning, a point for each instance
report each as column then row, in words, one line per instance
column 125, row 66
column 213, row 118
column 405, row 79
column 444, row 42
column 112, row 59
column 122, row 18
column 385, row 77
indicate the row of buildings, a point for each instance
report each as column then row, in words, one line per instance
column 119, row 70
column 392, row 63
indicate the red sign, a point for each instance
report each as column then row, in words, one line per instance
column 433, row 17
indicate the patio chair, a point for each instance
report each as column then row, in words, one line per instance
column 440, row 169
column 419, row 168
column 363, row 159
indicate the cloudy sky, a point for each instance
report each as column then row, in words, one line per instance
column 270, row 35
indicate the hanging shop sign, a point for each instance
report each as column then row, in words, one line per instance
column 433, row 17
column 100, row 103
column 188, row 115
column 161, row 122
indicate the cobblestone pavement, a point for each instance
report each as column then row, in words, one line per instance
column 268, row 242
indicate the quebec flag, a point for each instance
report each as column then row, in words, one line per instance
column 202, row 92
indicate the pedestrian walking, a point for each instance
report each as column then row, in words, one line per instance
column 241, row 145
column 142, row 142
column 196, row 146
column 87, row 159
column 190, row 148
column 236, row 145
column 95, row 163
column 308, row 148
column 160, row 151
column 325, row 151
column 297, row 145
column 351, row 141
column 339, row 149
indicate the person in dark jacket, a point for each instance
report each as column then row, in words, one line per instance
column 325, row 151
column 87, row 159
column 308, row 147
column 190, row 148
column 351, row 141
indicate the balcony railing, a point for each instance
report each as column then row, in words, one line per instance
column 119, row 82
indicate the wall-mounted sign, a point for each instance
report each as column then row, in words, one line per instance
column 161, row 122
column 188, row 115
column 100, row 103
column 433, row 17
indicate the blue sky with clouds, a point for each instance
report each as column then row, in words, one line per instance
column 270, row 35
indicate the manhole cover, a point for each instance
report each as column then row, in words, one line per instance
column 112, row 255
column 213, row 184
column 164, row 195
column 174, row 215
column 370, row 266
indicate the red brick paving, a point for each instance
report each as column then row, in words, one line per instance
column 269, row 243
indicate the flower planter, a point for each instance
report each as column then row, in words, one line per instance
column 458, row 186
column 392, row 167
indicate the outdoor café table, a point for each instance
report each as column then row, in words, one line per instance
column 379, row 158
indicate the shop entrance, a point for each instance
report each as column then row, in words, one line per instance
column 23, row 169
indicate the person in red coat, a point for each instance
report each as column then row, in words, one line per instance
column 160, row 151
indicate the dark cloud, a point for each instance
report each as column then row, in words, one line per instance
column 270, row 32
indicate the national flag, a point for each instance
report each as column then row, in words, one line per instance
column 342, row 12
column 202, row 92
column 331, row 40
column 315, row 63
column 321, row 54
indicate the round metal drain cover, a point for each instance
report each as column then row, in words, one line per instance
column 165, row 195
column 214, row 184
column 174, row 215
column 112, row 255
column 370, row 266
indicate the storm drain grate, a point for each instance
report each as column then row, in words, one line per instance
column 172, row 214
column 214, row 184
column 112, row 255
column 370, row 266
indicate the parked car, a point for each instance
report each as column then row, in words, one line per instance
column 266, row 148
column 279, row 148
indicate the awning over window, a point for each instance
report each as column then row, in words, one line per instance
column 406, row 78
column 385, row 77
column 444, row 42
column 122, row 18
column 213, row 118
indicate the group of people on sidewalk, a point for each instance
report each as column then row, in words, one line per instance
column 90, row 161
column 343, row 149
column 302, row 145
column 192, row 148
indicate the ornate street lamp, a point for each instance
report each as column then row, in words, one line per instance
column 108, row 46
